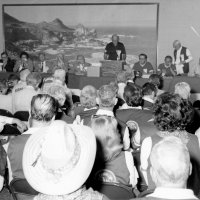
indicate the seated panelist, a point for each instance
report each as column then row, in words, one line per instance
column 143, row 66
column 167, row 68
column 23, row 63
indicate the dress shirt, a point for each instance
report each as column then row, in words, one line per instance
column 105, row 112
column 178, row 56
column 5, row 120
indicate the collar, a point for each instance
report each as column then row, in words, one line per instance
column 173, row 193
column 93, row 108
column 125, row 106
column 31, row 131
column 143, row 64
column 105, row 112
column 180, row 49
column 146, row 98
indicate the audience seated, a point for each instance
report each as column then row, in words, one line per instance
column 12, row 80
column 149, row 91
column 22, row 98
column 167, row 68
column 65, row 111
column 143, row 66
column 171, row 116
column 130, row 113
column 58, row 160
column 3, row 165
column 6, row 63
column 158, row 81
column 23, row 63
column 88, row 105
column 5, row 99
column 42, row 112
column 112, row 164
column 170, row 169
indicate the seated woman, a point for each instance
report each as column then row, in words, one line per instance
column 171, row 116
column 23, row 63
column 112, row 164
column 88, row 105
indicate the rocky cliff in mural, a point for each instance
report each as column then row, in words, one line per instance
column 27, row 36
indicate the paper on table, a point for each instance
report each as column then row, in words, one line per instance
column 179, row 68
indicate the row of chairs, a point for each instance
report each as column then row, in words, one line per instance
column 20, row 189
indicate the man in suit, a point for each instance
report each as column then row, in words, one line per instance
column 43, row 65
column 182, row 57
column 6, row 62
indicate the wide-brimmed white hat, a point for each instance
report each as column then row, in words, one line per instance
column 58, row 159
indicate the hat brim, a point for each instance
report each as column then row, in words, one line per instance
column 70, row 181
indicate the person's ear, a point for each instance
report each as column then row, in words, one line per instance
column 190, row 169
column 97, row 100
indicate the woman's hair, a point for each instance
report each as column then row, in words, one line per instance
column 24, row 54
column 171, row 112
column 133, row 95
column 183, row 89
column 108, row 138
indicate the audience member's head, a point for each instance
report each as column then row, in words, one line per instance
column 58, row 92
column 155, row 79
column 170, row 163
column 43, row 110
column 58, row 160
column 34, row 79
column 3, row 87
column 149, row 89
column 176, row 45
column 183, row 89
column 133, row 95
column 168, row 61
column 13, row 80
column 121, row 77
column 59, row 76
column 106, row 97
column 115, row 39
column 88, row 97
column 4, row 56
column 130, row 76
column 115, row 86
column 171, row 112
column 142, row 58
column 23, row 74
column 108, row 138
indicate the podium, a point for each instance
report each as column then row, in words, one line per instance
column 111, row 67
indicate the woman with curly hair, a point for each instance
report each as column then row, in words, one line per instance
column 171, row 116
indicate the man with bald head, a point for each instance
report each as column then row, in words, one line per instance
column 170, row 169
column 182, row 57
column 115, row 50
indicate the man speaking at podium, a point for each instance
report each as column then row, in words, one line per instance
column 115, row 50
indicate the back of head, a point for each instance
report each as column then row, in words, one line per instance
column 155, row 79
column 34, row 79
column 59, row 75
column 88, row 96
column 43, row 108
column 171, row 112
column 107, row 96
column 23, row 74
column 133, row 95
column 170, row 163
column 149, row 88
column 183, row 89
column 108, row 138
column 121, row 77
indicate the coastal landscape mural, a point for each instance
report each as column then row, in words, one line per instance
column 73, row 29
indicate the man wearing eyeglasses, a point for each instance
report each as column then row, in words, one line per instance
column 6, row 64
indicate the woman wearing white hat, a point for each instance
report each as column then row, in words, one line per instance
column 58, row 160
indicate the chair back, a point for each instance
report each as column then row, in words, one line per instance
column 115, row 190
column 20, row 189
column 22, row 115
column 5, row 113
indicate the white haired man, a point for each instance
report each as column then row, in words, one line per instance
column 170, row 169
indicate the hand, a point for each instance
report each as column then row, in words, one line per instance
column 20, row 125
column 132, row 125
column 182, row 62
column 78, row 120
